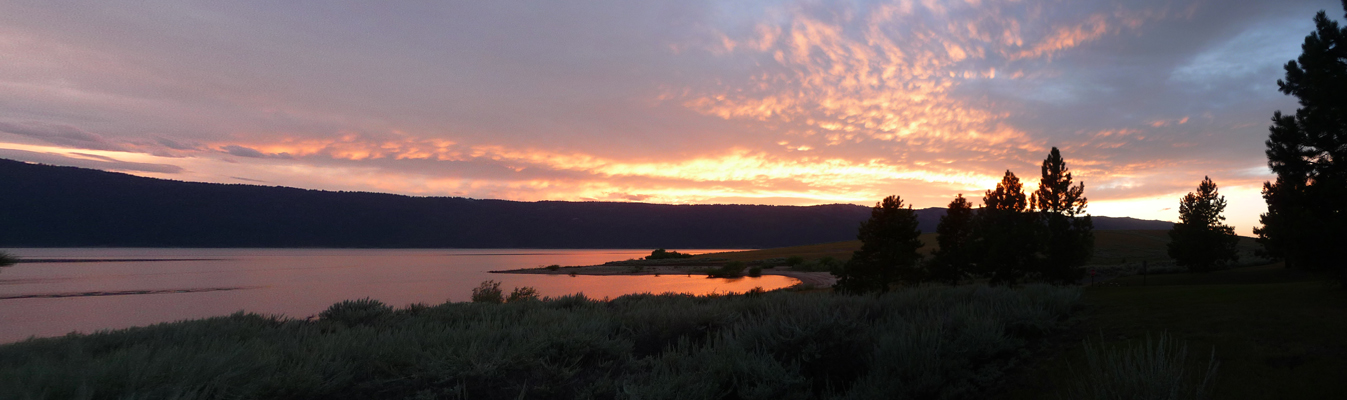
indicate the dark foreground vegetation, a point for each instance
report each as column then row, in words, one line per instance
column 1276, row 333
column 927, row 343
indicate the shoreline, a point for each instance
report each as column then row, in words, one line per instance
column 806, row 279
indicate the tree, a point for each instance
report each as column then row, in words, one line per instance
column 888, row 253
column 1006, row 233
column 1306, row 221
column 1200, row 241
column 661, row 254
column 955, row 257
column 1068, row 236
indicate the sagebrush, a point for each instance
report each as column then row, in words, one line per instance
column 924, row 342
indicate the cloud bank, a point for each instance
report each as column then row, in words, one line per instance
column 666, row 101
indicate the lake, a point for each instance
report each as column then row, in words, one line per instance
column 164, row 285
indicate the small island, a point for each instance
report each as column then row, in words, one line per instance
column 713, row 265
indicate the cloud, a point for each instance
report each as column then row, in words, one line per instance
column 247, row 180
column 65, row 135
column 92, row 161
column 785, row 102
column 176, row 145
column 1257, row 50
column 241, row 151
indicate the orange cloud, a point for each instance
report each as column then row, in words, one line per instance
column 1067, row 37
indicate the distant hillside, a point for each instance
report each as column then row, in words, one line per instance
column 929, row 218
column 1110, row 247
column 48, row 206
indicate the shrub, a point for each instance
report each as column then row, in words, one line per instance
column 916, row 343
column 1148, row 370
column 522, row 293
column 825, row 264
column 7, row 260
column 553, row 267
column 755, row 272
column 732, row 269
column 365, row 311
column 794, row 260
column 661, row 254
column 488, row 292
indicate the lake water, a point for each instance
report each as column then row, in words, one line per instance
column 197, row 283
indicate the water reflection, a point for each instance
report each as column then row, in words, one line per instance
column 196, row 283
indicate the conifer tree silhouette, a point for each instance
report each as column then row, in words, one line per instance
column 1068, row 235
column 1200, row 241
column 1306, row 221
column 888, row 253
column 1007, row 240
column 954, row 259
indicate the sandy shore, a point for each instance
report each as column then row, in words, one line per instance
column 814, row 279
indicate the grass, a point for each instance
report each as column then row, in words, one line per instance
column 1277, row 333
column 926, row 342
column 1154, row 370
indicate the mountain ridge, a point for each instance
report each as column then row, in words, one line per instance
column 53, row 206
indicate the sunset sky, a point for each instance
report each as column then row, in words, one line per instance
column 680, row 101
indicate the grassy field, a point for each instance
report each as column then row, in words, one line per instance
column 928, row 342
column 1277, row 333
column 1111, row 247
column 837, row 250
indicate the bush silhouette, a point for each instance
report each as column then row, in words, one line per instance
column 522, row 294
column 488, row 292
column 364, row 311
column 661, row 254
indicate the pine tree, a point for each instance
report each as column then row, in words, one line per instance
column 1200, row 241
column 1068, row 236
column 1006, row 233
column 1306, row 221
column 955, row 257
column 888, row 253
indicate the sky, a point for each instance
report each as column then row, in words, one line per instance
column 663, row 101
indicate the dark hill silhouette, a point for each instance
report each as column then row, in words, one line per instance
column 49, row 206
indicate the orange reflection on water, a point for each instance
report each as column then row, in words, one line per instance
column 297, row 283
column 613, row 286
